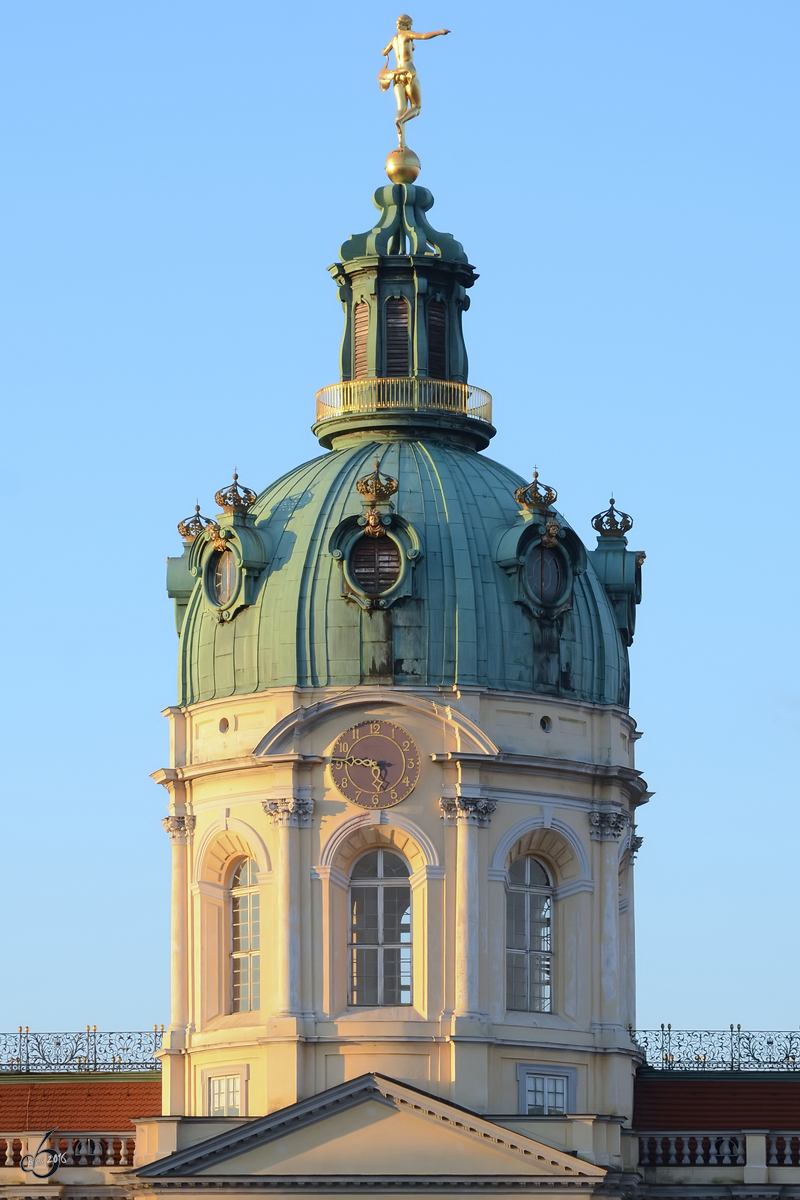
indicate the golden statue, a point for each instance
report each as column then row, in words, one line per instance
column 402, row 165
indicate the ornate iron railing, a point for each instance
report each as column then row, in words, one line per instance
column 732, row 1049
column 26, row 1052
column 402, row 393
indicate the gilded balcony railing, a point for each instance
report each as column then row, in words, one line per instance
column 406, row 394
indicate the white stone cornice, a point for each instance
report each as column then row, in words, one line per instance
column 424, row 874
column 333, row 874
column 561, row 768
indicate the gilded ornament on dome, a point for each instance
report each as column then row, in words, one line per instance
column 235, row 497
column 194, row 525
column 376, row 489
column 402, row 165
column 536, row 495
column 612, row 522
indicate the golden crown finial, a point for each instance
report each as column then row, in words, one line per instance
column 535, row 495
column 612, row 522
column 376, row 489
column 194, row 525
column 235, row 497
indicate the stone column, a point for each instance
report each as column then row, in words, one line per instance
column 180, row 830
column 607, row 827
column 470, row 814
column 288, row 816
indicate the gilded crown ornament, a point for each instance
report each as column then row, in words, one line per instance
column 535, row 496
column 402, row 165
column 376, row 489
column 194, row 525
column 612, row 522
column 235, row 497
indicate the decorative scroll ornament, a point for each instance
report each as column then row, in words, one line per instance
column 376, row 489
column 289, row 811
column 194, row 525
column 179, row 829
column 536, row 496
column 469, row 810
column 235, row 497
column 612, row 522
column 607, row 826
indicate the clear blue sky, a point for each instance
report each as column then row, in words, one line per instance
column 176, row 178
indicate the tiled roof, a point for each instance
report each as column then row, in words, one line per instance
column 77, row 1106
column 735, row 1102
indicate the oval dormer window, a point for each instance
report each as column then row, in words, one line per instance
column 545, row 574
column 375, row 564
column 223, row 576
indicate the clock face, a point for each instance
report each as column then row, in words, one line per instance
column 375, row 764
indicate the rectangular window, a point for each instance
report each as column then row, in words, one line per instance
column 529, row 984
column 224, row 1099
column 546, row 1091
column 380, row 945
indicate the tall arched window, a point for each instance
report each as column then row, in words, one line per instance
column 396, row 336
column 245, row 938
column 529, row 959
column 380, row 930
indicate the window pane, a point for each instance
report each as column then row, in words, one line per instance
column 397, row 976
column 538, row 876
column 240, row 875
column 364, row 967
column 540, row 922
column 515, row 921
column 556, row 1094
column 217, row 1105
column 516, row 981
column 396, row 914
column 540, row 993
column 393, row 866
column 254, row 922
column 366, row 867
column 534, row 1095
column 241, row 984
column 240, row 906
column 364, row 915
column 255, row 981
column 516, row 872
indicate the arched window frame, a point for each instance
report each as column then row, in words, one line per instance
column 529, row 937
column 341, row 543
column 380, row 950
column 244, row 913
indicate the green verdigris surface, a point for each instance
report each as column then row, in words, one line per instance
column 459, row 615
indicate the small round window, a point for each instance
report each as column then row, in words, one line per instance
column 375, row 564
column 544, row 571
column 223, row 576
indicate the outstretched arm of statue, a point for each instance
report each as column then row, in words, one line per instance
column 423, row 37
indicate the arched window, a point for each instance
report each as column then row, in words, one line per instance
column 529, row 959
column 245, row 939
column 223, row 576
column 396, row 336
column 437, row 347
column 360, row 335
column 380, row 930
column 375, row 564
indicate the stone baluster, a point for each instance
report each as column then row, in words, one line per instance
column 470, row 814
column 180, row 830
column 772, row 1151
column 288, row 815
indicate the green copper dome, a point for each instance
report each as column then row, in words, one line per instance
column 461, row 612
column 441, row 567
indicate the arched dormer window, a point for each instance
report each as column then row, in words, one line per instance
column 380, row 930
column 529, row 958
column 245, row 938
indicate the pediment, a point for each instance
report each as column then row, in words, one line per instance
column 374, row 1127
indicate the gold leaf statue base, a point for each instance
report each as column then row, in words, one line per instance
column 402, row 165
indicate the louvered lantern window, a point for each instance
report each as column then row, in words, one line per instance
column 396, row 336
column 437, row 349
column 361, row 332
column 375, row 564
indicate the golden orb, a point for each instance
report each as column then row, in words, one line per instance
column 402, row 165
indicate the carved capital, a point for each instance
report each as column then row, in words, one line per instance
column 468, row 810
column 290, row 811
column 635, row 846
column 180, row 829
column 607, row 826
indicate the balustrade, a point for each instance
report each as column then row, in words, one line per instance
column 691, row 1149
column 75, row 1149
column 26, row 1052
column 732, row 1049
